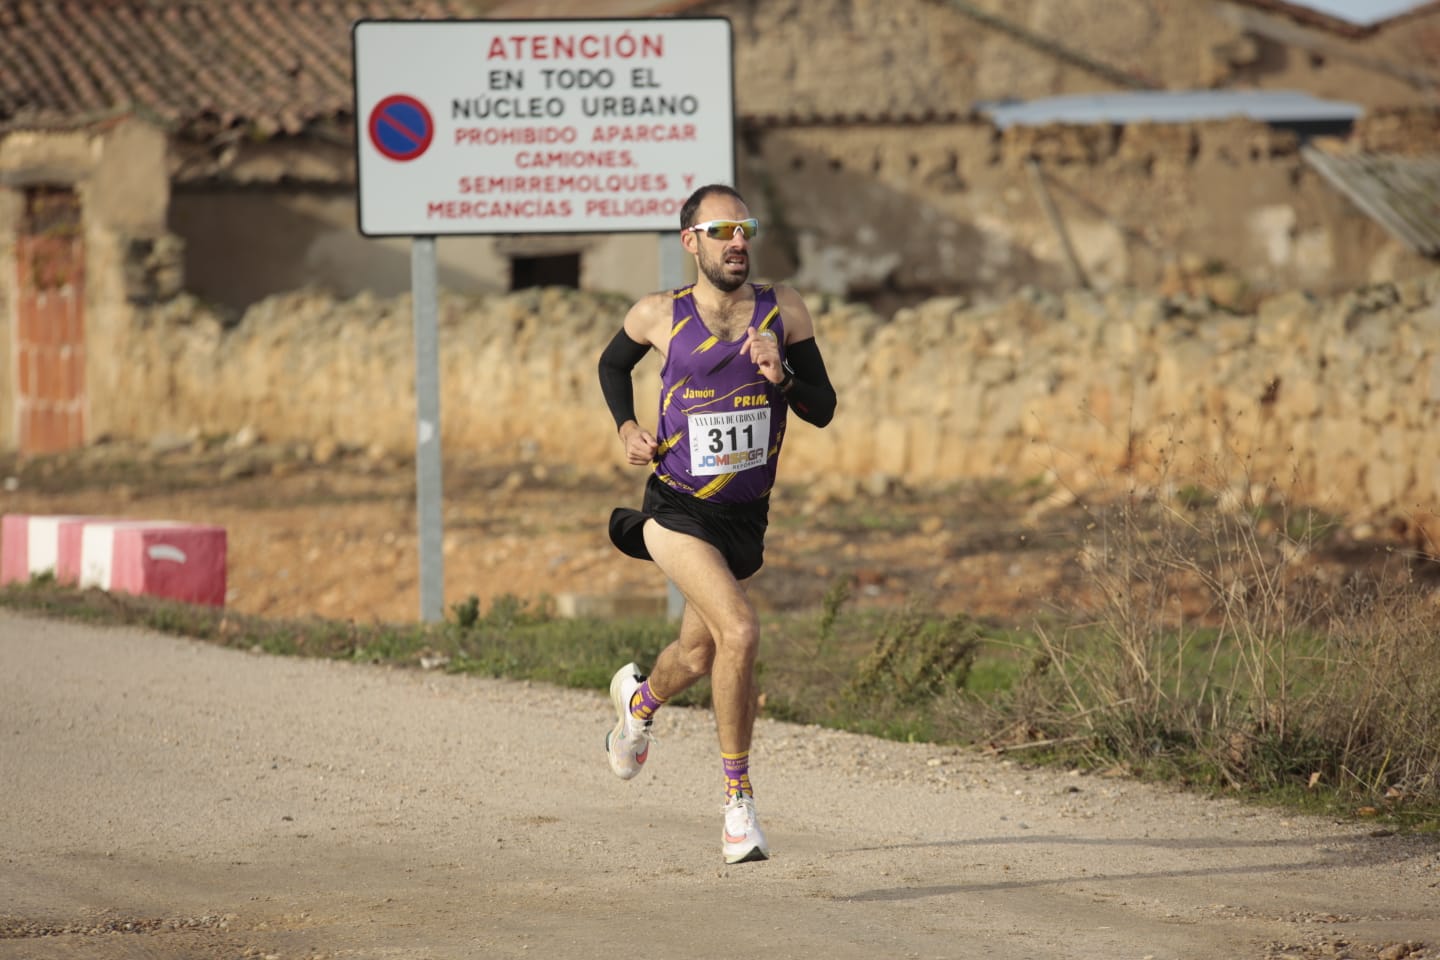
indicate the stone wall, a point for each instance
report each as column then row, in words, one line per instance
column 1332, row 403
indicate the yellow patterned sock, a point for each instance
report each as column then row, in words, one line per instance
column 644, row 703
column 737, row 773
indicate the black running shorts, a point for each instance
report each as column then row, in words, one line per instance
column 737, row 530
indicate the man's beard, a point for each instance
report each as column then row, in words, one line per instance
column 714, row 271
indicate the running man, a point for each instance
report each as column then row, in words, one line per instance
column 737, row 357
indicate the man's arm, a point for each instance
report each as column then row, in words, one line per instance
column 626, row 349
column 806, row 384
column 617, row 362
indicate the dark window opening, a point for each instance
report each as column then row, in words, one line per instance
column 559, row 270
column 52, row 210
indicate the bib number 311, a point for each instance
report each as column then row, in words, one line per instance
column 728, row 442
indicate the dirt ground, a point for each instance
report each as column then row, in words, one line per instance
column 176, row 801
column 333, row 533
column 338, row 539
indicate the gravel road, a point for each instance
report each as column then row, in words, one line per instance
column 163, row 798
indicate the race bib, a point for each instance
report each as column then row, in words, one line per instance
column 728, row 442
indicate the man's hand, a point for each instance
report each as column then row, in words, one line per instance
column 639, row 444
column 763, row 349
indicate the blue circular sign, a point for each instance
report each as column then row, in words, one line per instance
column 401, row 127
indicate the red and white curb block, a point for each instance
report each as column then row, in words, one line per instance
column 160, row 558
column 31, row 546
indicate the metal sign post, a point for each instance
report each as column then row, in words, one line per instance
column 428, row 496
column 483, row 127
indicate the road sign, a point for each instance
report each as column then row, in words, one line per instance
column 539, row 126
column 401, row 128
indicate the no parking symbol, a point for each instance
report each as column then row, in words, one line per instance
column 401, row 127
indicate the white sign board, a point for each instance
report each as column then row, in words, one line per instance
column 539, row 126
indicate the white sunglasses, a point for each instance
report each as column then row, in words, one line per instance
column 725, row 229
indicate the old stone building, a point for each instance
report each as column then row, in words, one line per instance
column 163, row 145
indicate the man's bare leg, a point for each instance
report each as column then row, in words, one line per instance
column 725, row 631
column 687, row 658
column 719, row 631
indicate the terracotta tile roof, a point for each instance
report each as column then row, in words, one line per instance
column 1298, row 10
column 558, row 9
column 275, row 65
column 1414, row 13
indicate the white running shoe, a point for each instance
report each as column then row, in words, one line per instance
column 744, row 841
column 628, row 744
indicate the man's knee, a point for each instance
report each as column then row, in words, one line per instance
column 740, row 638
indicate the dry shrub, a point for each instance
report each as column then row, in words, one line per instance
column 1218, row 642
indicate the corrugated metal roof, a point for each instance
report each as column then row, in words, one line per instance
column 1172, row 106
column 1401, row 193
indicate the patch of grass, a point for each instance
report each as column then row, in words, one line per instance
column 917, row 658
column 512, row 638
column 1194, row 497
column 867, row 516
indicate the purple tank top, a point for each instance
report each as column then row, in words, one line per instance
column 721, row 422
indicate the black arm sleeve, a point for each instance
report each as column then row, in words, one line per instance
column 616, row 362
column 810, row 395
